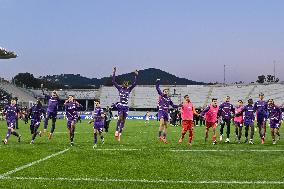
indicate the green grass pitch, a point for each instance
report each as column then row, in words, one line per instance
column 140, row 160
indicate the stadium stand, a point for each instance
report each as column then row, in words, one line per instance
column 24, row 98
column 146, row 97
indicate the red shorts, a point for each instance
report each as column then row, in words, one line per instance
column 187, row 124
column 211, row 124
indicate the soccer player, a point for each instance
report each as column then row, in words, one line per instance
column 187, row 111
column 238, row 121
column 275, row 117
column 122, row 105
column 147, row 118
column 211, row 113
column 51, row 111
column 98, row 122
column 260, row 107
column 35, row 113
column 72, row 107
column 163, row 116
column 12, row 112
column 248, row 120
column 225, row 111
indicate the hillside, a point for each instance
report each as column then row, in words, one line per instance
column 146, row 77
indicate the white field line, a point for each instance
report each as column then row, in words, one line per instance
column 117, row 149
column 192, row 150
column 248, row 150
column 32, row 163
column 257, row 182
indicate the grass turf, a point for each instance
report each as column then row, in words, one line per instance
column 142, row 161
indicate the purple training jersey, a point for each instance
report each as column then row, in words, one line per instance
column 260, row 107
column 225, row 110
column 249, row 112
column 98, row 118
column 72, row 110
column 52, row 103
column 124, row 92
column 274, row 113
column 164, row 100
column 36, row 111
column 11, row 112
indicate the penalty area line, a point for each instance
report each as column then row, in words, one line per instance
column 31, row 164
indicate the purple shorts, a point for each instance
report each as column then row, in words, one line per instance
column 163, row 115
column 11, row 123
column 248, row 122
column 70, row 120
column 122, row 110
column 52, row 115
column 260, row 119
column 99, row 125
column 274, row 124
column 35, row 122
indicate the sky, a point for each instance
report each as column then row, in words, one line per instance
column 193, row 39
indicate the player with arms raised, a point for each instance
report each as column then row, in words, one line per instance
column 122, row 106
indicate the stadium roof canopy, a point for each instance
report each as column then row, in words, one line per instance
column 5, row 54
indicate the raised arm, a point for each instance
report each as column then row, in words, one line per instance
column 113, row 79
column 158, row 87
column 134, row 82
column 205, row 111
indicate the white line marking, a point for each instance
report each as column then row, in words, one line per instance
column 32, row 163
column 192, row 150
column 248, row 150
column 117, row 149
column 148, row 181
